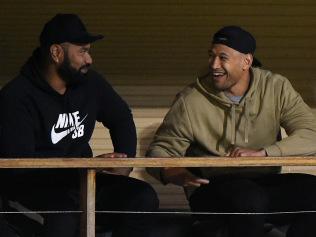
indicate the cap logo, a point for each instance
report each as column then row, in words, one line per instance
column 222, row 39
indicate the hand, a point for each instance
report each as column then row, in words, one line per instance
column 182, row 177
column 240, row 152
column 112, row 155
column 115, row 171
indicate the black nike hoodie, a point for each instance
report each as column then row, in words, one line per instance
column 36, row 121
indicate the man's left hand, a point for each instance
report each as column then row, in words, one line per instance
column 240, row 152
column 112, row 155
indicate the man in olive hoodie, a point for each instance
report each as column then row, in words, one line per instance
column 237, row 110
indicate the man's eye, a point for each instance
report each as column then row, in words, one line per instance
column 83, row 51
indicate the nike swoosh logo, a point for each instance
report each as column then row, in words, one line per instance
column 56, row 137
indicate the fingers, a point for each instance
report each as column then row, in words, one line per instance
column 192, row 184
column 261, row 153
column 244, row 152
column 196, row 182
column 182, row 177
column 117, row 171
column 238, row 152
column 119, row 155
column 113, row 155
column 202, row 181
column 234, row 152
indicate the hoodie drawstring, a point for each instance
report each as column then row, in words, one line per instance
column 233, row 122
column 246, row 120
column 233, row 116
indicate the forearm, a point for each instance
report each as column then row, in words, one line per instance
column 124, row 138
column 301, row 142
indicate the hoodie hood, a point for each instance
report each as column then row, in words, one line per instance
column 32, row 72
column 205, row 86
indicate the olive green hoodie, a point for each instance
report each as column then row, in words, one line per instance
column 204, row 122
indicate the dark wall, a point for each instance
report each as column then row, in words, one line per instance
column 164, row 42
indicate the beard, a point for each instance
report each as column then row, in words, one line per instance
column 70, row 75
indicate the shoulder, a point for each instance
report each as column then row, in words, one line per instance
column 95, row 84
column 189, row 94
column 106, row 95
column 95, row 77
column 189, row 101
column 264, row 78
column 17, row 89
column 273, row 86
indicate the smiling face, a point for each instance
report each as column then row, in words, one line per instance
column 228, row 67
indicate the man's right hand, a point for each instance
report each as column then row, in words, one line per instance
column 117, row 170
column 182, row 177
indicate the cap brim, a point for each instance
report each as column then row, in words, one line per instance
column 86, row 39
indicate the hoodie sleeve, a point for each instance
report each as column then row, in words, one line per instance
column 173, row 137
column 115, row 114
column 299, row 123
column 16, row 129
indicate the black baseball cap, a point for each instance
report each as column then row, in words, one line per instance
column 236, row 38
column 66, row 28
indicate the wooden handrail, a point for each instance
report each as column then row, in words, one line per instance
column 156, row 162
column 88, row 183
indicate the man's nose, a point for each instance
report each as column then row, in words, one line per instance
column 214, row 63
column 88, row 59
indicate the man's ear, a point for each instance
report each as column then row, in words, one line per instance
column 247, row 61
column 57, row 53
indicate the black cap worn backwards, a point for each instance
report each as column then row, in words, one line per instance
column 66, row 28
column 235, row 38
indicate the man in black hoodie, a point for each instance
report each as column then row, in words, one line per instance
column 50, row 110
